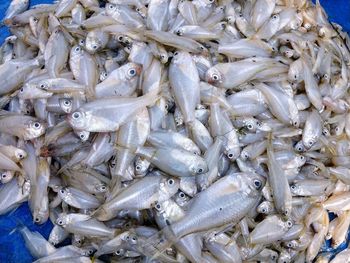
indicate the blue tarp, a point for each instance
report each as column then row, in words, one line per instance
column 12, row 248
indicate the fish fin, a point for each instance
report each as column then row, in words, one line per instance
column 151, row 97
column 7, row 113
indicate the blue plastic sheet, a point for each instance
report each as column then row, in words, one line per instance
column 12, row 247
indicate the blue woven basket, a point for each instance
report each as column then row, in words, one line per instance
column 12, row 247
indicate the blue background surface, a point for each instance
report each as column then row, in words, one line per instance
column 12, row 248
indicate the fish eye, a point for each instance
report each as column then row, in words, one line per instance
column 37, row 219
column 82, row 42
column 120, row 38
column 240, row 15
column 257, row 184
column 289, row 245
column 178, row 32
column 20, row 156
column 77, row 49
column 263, row 210
column 118, row 252
column 111, row 6
column 21, row 90
column 67, row 102
column 250, row 126
column 230, row 155
column 285, row 213
column 132, row 72
column 103, row 188
column 4, row 175
column 301, row 157
column 215, row 77
column 138, row 167
column 289, row 223
column 274, row 17
column 293, row 187
column 176, row 53
column 60, row 222
column 182, row 195
column 76, row 115
column 273, row 257
column 37, row 125
column 245, row 155
column 171, row 182
column 105, row 74
column 62, row 191
column 200, row 170
column 158, row 206
column 82, row 136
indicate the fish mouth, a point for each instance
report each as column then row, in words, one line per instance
column 211, row 81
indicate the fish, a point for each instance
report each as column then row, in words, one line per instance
column 176, row 130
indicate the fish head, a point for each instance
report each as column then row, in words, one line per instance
column 101, row 188
column 111, row 9
column 64, row 193
column 6, row 176
column 164, row 57
column 213, row 76
column 44, row 84
column 63, row 220
column 132, row 71
column 179, row 31
column 265, row 208
column 299, row 147
column 142, row 11
column 76, row 51
column 77, row 120
column 34, row 130
column 92, row 44
column 169, row 187
column 233, row 152
column 294, row 189
column 40, row 217
column 199, row 166
column 141, row 166
column 83, row 135
column 252, row 182
column 20, row 154
column 300, row 159
column 103, row 75
column 66, row 104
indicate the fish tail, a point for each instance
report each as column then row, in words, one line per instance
column 158, row 243
column 150, row 98
column 20, row 226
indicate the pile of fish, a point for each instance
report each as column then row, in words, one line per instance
column 177, row 130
